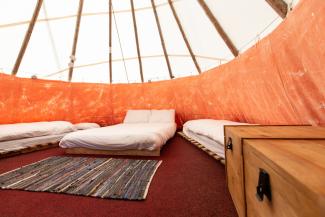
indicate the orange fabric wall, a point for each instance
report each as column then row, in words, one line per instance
column 281, row 80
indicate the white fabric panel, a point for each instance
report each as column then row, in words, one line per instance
column 10, row 43
column 160, row 2
column 150, row 44
column 39, row 58
column 12, row 37
column 154, row 69
column 27, row 130
column 175, row 43
column 126, row 36
column 57, row 76
column 92, row 74
column 207, row 64
column 51, row 42
column 242, row 21
column 59, row 8
column 120, row 5
column 12, row 11
column 60, row 46
column 137, row 116
column 262, row 33
column 292, row 2
column 94, row 7
column 149, row 40
column 141, row 4
column 141, row 136
column 92, row 45
column 202, row 35
column 133, row 71
column 120, row 73
column 93, row 40
column 182, row 66
column 172, row 36
column 126, row 32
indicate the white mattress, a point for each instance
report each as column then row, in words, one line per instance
column 28, row 130
column 135, row 136
column 210, row 144
column 19, row 144
column 209, row 133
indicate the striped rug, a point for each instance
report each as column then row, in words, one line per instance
column 126, row 179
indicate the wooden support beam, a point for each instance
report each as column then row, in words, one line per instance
column 280, row 6
column 27, row 37
column 184, row 36
column 110, row 42
column 136, row 39
column 219, row 28
column 75, row 40
column 162, row 39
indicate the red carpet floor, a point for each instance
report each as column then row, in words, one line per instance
column 188, row 183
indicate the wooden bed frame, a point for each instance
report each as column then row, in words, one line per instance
column 112, row 152
column 28, row 149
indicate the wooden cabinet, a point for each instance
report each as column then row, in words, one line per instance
column 234, row 140
column 295, row 183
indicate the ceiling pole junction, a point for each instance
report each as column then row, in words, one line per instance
column 219, row 28
column 110, row 43
column 280, row 6
column 136, row 39
column 162, row 39
column 184, row 36
column 75, row 40
column 27, row 37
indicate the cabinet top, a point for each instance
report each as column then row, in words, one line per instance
column 253, row 131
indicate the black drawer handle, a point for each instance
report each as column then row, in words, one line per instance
column 229, row 144
column 263, row 187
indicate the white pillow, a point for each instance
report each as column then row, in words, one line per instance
column 162, row 116
column 84, row 126
column 137, row 116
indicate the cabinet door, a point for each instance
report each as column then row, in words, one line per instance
column 286, row 199
column 234, row 169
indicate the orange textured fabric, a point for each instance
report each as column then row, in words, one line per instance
column 280, row 80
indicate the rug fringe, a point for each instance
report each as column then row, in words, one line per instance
column 150, row 179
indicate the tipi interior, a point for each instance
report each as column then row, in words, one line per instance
column 162, row 108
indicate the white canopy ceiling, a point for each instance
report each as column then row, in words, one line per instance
column 49, row 49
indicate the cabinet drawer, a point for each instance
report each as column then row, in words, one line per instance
column 287, row 198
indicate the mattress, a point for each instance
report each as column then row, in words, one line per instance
column 36, row 129
column 214, row 146
column 126, row 136
column 209, row 133
column 20, row 144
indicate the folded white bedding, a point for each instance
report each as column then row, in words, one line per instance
column 35, row 129
column 85, row 126
column 28, row 142
column 126, row 136
column 213, row 129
